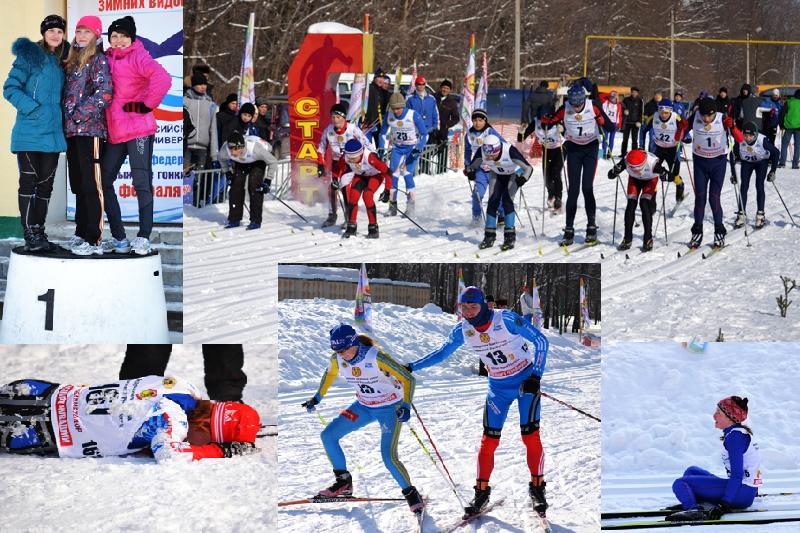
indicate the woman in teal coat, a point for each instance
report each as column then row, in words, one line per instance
column 34, row 88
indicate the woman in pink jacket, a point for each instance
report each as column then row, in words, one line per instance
column 140, row 84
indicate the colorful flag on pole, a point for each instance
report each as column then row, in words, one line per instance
column 247, row 83
column 398, row 78
column 585, row 320
column 468, row 92
column 413, row 87
column 461, row 288
column 363, row 312
column 483, row 87
column 356, row 98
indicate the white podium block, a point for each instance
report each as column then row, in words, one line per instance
column 62, row 298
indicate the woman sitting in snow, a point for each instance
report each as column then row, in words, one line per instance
column 162, row 414
column 742, row 462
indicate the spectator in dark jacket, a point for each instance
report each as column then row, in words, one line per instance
column 227, row 115
column 449, row 116
column 541, row 96
column 244, row 124
column 632, row 111
column 747, row 108
column 263, row 118
column 723, row 101
column 378, row 99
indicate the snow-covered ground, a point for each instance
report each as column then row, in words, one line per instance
column 450, row 399
column 657, row 405
column 134, row 493
column 229, row 283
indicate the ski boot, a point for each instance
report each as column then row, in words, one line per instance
column 341, row 488
column 509, row 239
column 536, row 492
column 740, row 220
column 690, row 515
column 760, row 220
column 679, row 186
column 625, row 244
column 489, row 235
column 253, row 225
column 479, row 502
column 349, row 231
column 330, row 221
column 719, row 236
column 697, row 237
column 414, row 500
column 647, row 245
column 372, row 231
column 569, row 236
column 392, row 209
column 233, row 224
column 591, row 235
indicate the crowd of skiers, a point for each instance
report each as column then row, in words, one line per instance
column 97, row 105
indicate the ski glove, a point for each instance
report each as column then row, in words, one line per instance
column 716, row 512
column 309, row 405
column 229, row 449
column 771, row 176
column 403, row 412
column 264, row 187
column 734, row 180
column 663, row 175
column 520, row 180
column 470, row 174
column 728, row 123
column 136, row 107
column 530, row 386
column 384, row 198
column 320, row 170
column 616, row 170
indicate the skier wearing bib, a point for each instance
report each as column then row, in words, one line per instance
column 666, row 131
column 742, row 463
column 384, row 390
column 162, row 414
column 251, row 157
column 472, row 145
column 515, row 371
column 551, row 140
column 710, row 130
column 756, row 152
column 409, row 135
column 503, row 162
column 582, row 130
column 367, row 172
column 644, row 170
column 335, row 136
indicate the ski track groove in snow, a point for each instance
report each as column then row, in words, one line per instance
column 450, row 398
column 113, row 494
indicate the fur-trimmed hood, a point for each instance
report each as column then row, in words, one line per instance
column 29, row 51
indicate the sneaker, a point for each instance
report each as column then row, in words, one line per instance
column 122, row 246
column 87, row 249
column 341, row 488
column 479, row 502
column 253, row 225
column 73, row 242
column 141, row 246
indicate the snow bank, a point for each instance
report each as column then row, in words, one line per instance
column 336, row 274
column 331, row 27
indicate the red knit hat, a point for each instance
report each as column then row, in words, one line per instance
column 91, row 22
column 734, row 408
column 234, row 422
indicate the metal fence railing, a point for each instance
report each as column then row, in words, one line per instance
column 211, row 186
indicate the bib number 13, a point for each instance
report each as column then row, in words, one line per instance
column 497, row 357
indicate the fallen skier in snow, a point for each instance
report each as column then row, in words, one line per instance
column 164, row 415
column 742, row 462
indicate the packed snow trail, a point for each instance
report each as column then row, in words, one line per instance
column 229, row 283
column 657, row 406
column 132, row 493
column 450, row 399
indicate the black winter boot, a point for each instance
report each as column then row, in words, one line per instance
column 372, row 231
column 479, row 502
column 489, row 235
column 536, row 492
column 350, row 230
column 509, row 239
column 414, row 500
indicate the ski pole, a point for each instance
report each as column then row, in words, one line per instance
column 663, row 211
column 435, row 449
column 522, row 195
column 428, row 453
column 413, row 221
column 544, row 181
column 568, row 405
column 614, row 228
column 784, row 203
column 289, row 208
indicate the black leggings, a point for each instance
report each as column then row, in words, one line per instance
column 554, row 164
column 37, row 171
column 253, row 174
column 581, row 167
